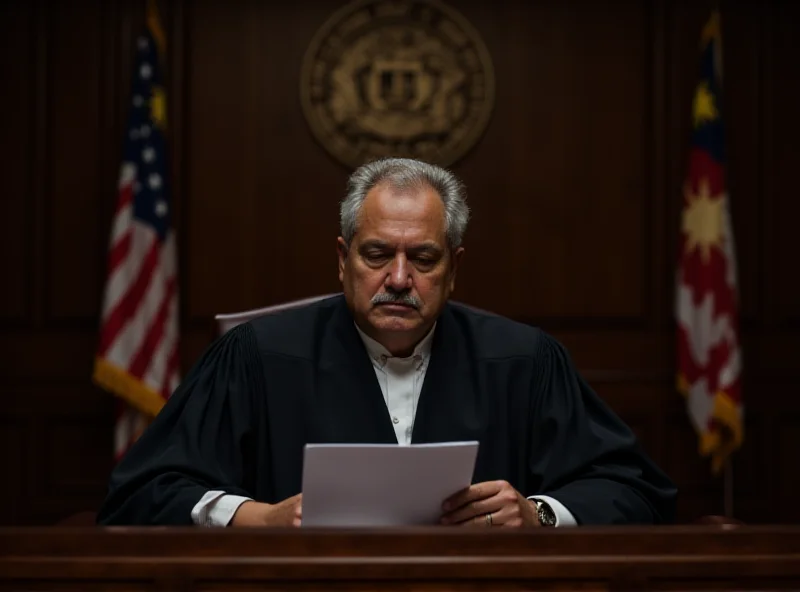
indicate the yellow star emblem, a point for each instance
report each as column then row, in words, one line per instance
column 158, row 107
column 703, row 220
column 704, row 108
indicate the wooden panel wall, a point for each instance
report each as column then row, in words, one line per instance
column 575, row 191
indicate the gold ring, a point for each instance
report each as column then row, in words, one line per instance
column 489, row 519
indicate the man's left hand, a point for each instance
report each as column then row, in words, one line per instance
column 492, row 503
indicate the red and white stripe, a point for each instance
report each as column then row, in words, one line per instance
column 140, row 309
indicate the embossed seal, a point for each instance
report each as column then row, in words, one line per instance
column 397, row 78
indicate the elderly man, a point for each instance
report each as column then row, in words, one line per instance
column 390, row 361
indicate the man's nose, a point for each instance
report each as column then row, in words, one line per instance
column 399, row 277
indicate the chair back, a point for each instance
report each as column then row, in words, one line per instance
column 226, row 322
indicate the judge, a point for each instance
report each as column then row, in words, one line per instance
column 389, row 361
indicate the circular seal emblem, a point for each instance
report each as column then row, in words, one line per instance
column 405, row 78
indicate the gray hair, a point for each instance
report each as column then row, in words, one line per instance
column 404, row 174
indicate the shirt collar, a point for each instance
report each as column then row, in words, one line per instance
column 380, row 354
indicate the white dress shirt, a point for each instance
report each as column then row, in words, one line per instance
column 401, row 381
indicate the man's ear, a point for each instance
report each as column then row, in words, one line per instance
column 342, row 249
column 455, row 260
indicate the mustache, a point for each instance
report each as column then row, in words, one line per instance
column 396, row 298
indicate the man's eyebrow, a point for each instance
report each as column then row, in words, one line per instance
column 426, row 248
column 420, row 248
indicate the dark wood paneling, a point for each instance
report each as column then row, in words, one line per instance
column 575, row 190
column 57, row 397
column 57, row 438
column 786, row 445
column 248, row 139
column 52, row 355
column 743, row 49
column 75, row 105
column 751, row 475
column 17, row 65
column 12, row 443
column 67, row 438
column 224, row 135
column 537, row 187
column 773, row 352
column 782, row 129
column 684, row 461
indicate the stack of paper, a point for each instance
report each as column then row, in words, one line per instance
column 383, row 484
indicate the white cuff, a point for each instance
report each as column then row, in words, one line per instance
column 216, row 508
column 563, row 516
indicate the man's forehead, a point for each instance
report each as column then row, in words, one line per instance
column 385, row 198
column 420, row 208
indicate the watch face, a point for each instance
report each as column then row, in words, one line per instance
column 546, row 515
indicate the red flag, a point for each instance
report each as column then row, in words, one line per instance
column 709, row 355
column 137, row 357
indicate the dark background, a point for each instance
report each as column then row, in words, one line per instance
column 575, row 189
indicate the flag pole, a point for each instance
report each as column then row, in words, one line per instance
column 728, row 488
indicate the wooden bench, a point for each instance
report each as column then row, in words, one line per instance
column 622, row 558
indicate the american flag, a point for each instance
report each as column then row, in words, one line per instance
column 137, row 357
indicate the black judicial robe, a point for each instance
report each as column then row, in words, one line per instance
column 240, row 419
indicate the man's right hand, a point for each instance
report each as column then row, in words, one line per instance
column 287, row 513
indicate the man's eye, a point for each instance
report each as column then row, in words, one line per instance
column 375, row 257
column 425, row 261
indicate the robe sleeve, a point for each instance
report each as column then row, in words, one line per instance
column 584, row 456
column 200, row 441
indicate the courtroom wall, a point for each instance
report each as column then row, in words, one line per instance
column 575, row 191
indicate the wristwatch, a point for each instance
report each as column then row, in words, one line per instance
column 545, row 513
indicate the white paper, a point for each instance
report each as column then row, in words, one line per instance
column 383, row 484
